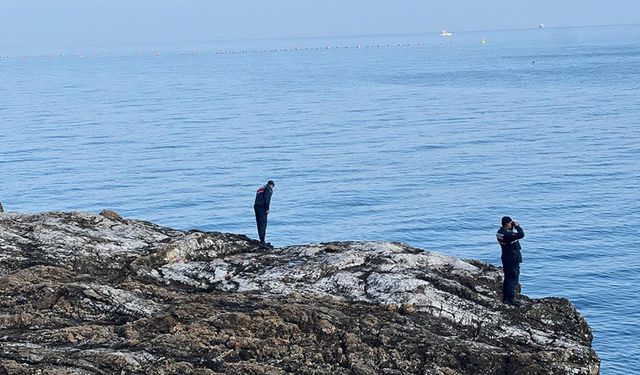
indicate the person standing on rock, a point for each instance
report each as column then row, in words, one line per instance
column 261, row 207
column 508, row 237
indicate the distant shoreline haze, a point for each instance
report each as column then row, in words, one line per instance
column 281, row 44
column 54, row 23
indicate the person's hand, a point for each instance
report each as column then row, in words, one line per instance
column 267, row 212
column 516, row 224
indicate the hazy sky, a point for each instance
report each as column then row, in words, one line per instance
column 63, row 22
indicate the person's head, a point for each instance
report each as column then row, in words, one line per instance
column 507, row 223
column 271, row 184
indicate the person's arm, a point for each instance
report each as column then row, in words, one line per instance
column 510, row 237
column 267, row 198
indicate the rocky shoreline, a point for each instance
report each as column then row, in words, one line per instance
column 100, row 294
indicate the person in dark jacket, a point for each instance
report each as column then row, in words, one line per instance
column 261, row 207
column 508, row 237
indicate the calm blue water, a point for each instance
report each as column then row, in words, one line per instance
column 428, row 143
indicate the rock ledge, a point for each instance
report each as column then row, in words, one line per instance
column 100, row 294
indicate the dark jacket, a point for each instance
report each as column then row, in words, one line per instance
column 263, row 197
column 510, row 245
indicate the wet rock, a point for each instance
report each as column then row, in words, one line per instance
column 100, row 294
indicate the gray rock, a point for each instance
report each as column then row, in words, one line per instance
column 99, row 294
column 1, row 208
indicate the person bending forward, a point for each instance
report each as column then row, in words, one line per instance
column 261, row 208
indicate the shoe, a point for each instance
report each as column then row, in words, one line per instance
column 269, row 245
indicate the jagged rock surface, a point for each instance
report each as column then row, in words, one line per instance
column 99, row 294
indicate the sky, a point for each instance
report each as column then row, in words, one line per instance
column 77, row 22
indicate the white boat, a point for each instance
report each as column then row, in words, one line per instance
column 541, row 26
column 445, row 33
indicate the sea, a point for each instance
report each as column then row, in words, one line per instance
column 416, row 138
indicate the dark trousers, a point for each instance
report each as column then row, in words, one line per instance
column 261, row 221
column 511, row 280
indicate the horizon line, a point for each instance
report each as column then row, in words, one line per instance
column 206, row 41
